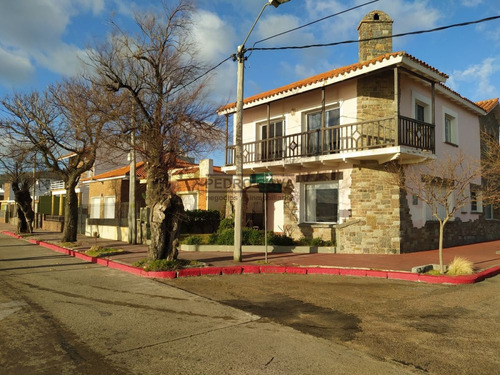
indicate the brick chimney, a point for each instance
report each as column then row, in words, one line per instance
column 374, row 24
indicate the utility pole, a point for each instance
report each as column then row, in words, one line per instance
column 132, row 220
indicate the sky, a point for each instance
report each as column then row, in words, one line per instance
column 42, row 41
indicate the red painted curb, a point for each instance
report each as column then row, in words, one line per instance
column 231, row 270
column 159, row 274
column 101, row 261
column 376, row 273
column 35, row 242
column 272, row 269
column 352, row 272
column 82, row 256
column 323, row 271
column 124, row 267
column 433, row 279
column 211, row 271
column 189, row 272
column 296, row 270
column 408, row 276
column 490, row 272
column 250, row 269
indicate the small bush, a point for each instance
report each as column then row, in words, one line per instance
column 250, row 236
column 460, row 266
column 225, row 237
column 280, row 239
column 201, row 221
column 194, row 240
column 227, row 223
column 97, row 251
column 162, row 264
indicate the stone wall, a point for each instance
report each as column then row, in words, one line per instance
column 374, row 24
column 375, row 204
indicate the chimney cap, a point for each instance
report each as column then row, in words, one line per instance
column 376, row 16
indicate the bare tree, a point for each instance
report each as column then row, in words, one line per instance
column 16, row 162
column 64, row 125
column 490, row 163
column 156, row 68
column 443, row 184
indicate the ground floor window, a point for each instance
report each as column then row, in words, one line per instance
column 488, row 212
column 109, row 207
column 321, row 202
column 95, row 207
column 190, row 201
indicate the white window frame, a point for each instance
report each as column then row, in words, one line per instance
column 424, row 101
column 478, row 202
column 109, row 209
column 304, row 205
column 428, row 211
column 95, row 207
column 452, row 116
column 190, row 193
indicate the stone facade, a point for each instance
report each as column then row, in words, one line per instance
column 375, row 204
column 375, row 24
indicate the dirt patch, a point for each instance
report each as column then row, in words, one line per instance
column 437, row 329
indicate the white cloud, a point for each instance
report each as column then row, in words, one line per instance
column 471, row 3
column 478, row 78
column 274, row 24
column 14, row 68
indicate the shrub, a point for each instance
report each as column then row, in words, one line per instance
column 280, row 239
column 97, row 251
column 194, row 240
column 227, row 223
column 201, row 221
column 225, row 237
column 162, row 264
column 460, row 266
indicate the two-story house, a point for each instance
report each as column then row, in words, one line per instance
column 328, row 137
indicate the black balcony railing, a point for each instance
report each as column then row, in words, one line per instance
column 358, row 136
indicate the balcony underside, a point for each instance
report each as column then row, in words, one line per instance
column 370, row 141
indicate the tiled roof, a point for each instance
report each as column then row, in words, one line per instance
column 194, row 170
column 331, row 74
column 140, row 172
column 488, row 105
column 460, row 96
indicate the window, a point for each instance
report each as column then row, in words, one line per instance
column 95, row 208
column 439, row 193
column 321, row 202
column 329, row 134
column 450, row 128
column 272, row 148
column 109, row 207
column 488, row 212
column 190, row 201
column 419, row 112
column 475, row 201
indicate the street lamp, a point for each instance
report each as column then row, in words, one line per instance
column 238, row 150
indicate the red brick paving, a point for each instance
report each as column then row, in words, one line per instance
column 483, row 255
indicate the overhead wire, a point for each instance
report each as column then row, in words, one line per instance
column 380, row 37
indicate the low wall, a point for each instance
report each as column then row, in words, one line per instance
column 262, row 249
column 52, row 226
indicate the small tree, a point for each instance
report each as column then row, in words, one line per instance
column 442, row 184
column 158, row 70
column 16, row 162
column 490, row 165
column 64, row 125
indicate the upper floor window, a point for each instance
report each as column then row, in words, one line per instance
column 421, row 107
column 450, row 128
column 272, row 136
column 321, row 138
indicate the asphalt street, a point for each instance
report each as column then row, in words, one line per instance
column 61, row 315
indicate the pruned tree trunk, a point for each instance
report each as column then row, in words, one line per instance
column 70, row 230
column 165, row 221
column 25, row 214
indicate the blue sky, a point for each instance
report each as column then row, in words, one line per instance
column 41, row 39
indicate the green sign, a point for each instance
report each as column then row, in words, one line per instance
column 270, row 188
column 258, row 178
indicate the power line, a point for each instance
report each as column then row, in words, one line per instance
column 313, row 22
column 377, row 38
column 202, row 75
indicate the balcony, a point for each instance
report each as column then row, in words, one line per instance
column 340, row 139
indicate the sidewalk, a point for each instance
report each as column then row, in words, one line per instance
column 483, row 255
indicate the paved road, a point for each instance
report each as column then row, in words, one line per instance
column 59, row 315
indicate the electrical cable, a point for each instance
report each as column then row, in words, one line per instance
column 378, row 38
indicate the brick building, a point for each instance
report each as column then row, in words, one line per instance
column 328, row 139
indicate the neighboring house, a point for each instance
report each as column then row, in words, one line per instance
column 490, row 124
column 327, row 138
column 200, row 186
